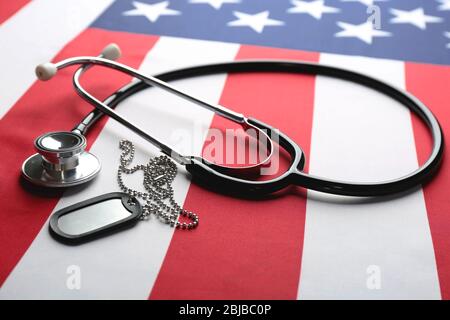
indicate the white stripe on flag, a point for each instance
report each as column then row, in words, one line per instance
column 125, row 265
column 34, row 35
column 360, row 135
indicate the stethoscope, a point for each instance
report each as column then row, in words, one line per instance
column 62, row 160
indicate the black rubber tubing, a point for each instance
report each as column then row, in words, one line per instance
column 415, row 178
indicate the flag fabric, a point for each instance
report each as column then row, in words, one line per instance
column 298, row 245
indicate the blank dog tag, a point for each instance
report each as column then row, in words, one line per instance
column 95, row 217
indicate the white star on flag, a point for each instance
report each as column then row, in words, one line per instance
column 151, row 11
column 445, row 5
column 216, row 4
column 365, row 2
column 314, row 8
column 255, row 21
column 415, row 17
column 365, row 31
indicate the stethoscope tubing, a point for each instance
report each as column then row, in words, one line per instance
column 294, row 175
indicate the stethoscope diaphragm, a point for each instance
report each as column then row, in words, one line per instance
column 61, row 161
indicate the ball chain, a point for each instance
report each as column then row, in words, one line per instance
column 159, row 174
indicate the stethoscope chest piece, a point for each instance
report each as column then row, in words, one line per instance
column 61, row 161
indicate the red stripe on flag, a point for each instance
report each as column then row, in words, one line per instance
column 246, row 249
column 51, row 106
column 430, row 84
column 9, row 8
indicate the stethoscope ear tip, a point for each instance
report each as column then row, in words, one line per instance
column 111, row 52
column 46, row 71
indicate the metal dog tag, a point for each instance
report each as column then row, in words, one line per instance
column 95, row 217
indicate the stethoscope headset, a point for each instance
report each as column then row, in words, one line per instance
column 62, row 160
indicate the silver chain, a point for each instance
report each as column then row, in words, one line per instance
column 159, row 174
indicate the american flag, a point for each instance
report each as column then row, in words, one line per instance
column 301, row 245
